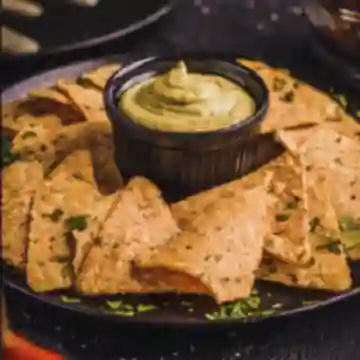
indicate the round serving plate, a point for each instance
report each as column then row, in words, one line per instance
column 65, row 27
column 273, row 301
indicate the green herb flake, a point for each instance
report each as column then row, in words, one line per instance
column 350, row 239
column 70, row 300
column 123, row 312
column 357, row 113
column 145, row 308
column 8, row 157
column 114, row 304
column 342, row 100
column 28, row 134
column 263, row 313
column 253, row 302
column 212, row 316
column 77, row 222
column 282, row 217
column 347, row 223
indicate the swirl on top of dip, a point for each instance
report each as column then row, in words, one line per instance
column 180, row 101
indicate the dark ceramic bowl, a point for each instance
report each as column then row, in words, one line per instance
column 183, row 163
column 337, row 24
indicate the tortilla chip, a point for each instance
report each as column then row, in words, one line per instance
column 347, row 127
column 49, row 94
column 88, row 101
column 71, row 138
column 185, row 211
column 77, row 165
column 20, row 181
column 195, row 261
column 288, row 210
column 335, row 157
column 34, row 143
column 85, row 239
column 293, row 103
column 141, row 220
column 328, row 271
column 62, row 203
column 101, row 75
column 97, row 138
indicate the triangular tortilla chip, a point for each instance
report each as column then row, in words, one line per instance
column 217, row 253
column 49, row 94
column 328, row 269
column 293, row 103
column 101, row 75
column 88, row 101
column 288, row 210
column 61, row 204
column 140, row 221
column 19, row 184
column 336, row 159
column 77, row 165
column 85, row 239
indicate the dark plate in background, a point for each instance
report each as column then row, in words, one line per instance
column 64, row 26
column 171, row 310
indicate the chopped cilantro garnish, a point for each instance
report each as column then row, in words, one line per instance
column 236, row 309
column 349, row 223
column 350, row 239
column 123, row 312
column 77, row 222
column 263, row 313
column 342, row 100
column 114, row 304
column 145, row 308
column 253, row 302
column 70, row 300
column 212, row 316
column 8, row 157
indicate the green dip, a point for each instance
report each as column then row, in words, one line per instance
column 180, row 101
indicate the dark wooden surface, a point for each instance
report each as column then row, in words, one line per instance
column 273, row 30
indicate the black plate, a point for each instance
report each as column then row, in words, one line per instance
column 65, row 27
column 171, row 310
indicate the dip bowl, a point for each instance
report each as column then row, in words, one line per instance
column 183, row 163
